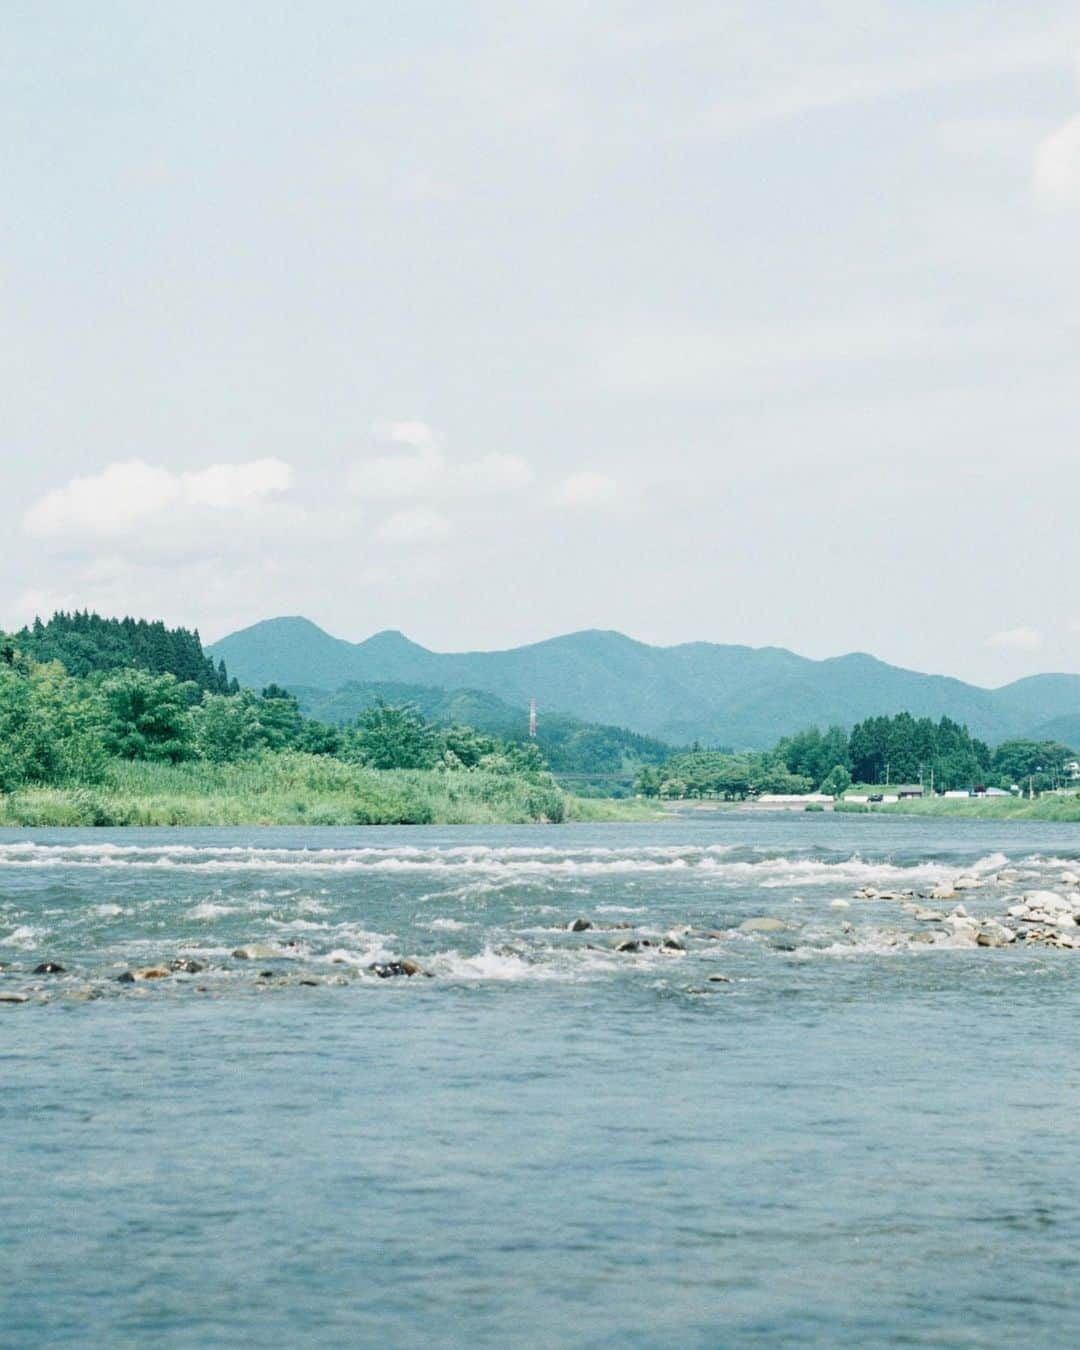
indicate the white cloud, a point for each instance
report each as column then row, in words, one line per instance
column 422, row 472
column 402, row 475
column 586, row 491
column 1022, row 639
column 127, row 495
column 1057, row 164
column 414, row 433
column 406, row 527
column 490, row 474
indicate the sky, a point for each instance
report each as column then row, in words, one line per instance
column 704, row 321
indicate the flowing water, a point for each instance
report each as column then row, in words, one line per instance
column 862, row 1133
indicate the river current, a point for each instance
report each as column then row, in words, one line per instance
column 782, row 1115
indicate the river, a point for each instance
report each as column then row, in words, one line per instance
column 847, row 1127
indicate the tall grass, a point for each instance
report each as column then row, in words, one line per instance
column 294, row 789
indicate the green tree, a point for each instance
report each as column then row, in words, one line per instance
column 147, row 716
column 837, row 782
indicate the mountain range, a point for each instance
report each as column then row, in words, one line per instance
column 745, row 697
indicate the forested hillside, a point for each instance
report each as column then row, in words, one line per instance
column 568, row 744
column 85, row 643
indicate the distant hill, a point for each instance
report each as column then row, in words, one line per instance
column 568, row 744
column 746, row 697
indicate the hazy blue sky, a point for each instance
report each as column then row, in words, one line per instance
column 733, row 321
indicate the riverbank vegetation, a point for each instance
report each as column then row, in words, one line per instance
column 122, row 744
column 939, row 755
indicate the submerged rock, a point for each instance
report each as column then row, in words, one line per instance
column 763, row 925
column 50, row 968
column 11, row 996
column 628, row 945
column 580, row 925
column 672, row 944
column 256, row 951
column 720, row 979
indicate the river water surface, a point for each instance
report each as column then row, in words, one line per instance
column 864, row 1132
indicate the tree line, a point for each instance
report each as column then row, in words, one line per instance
column 84, row 643
column 898, row 749
column 59, row 729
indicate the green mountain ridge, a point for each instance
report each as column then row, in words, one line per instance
column 714, row 693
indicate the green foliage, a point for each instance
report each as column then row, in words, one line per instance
column 717, row 773
column 147, row 716
column 836, row 782
column 567, row 744
column 1038, row 764
column 86, row 643
column 49, row 726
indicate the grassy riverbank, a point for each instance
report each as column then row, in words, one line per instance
column 299, row 789
column 1047, row 807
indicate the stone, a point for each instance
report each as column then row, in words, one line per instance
column 628, row 945
column 125, row 977
column 185, row 965
column 672, row 944
column 994, row 934
column 959, row 913
column 10, row 996
column 1069, row 879
column 580, row 925
column 839, row 904
column 153, row 973
column 720, row 979
column 266, row 974
column 309, row 984
column 255, row 951
column 50, row 968
column 966, row 883
column 943, row 893
column 927, row 915
column 763, row 925
column 387, row 970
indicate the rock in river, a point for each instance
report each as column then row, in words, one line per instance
column 256, row 951
column 386, row 970
column 50, row 968
column 580, row 925
column 763, row 925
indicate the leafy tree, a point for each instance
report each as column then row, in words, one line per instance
column 387, row 737
column 1040, row 763
column 227, row 727
column 837, row 782
column 147, row 716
